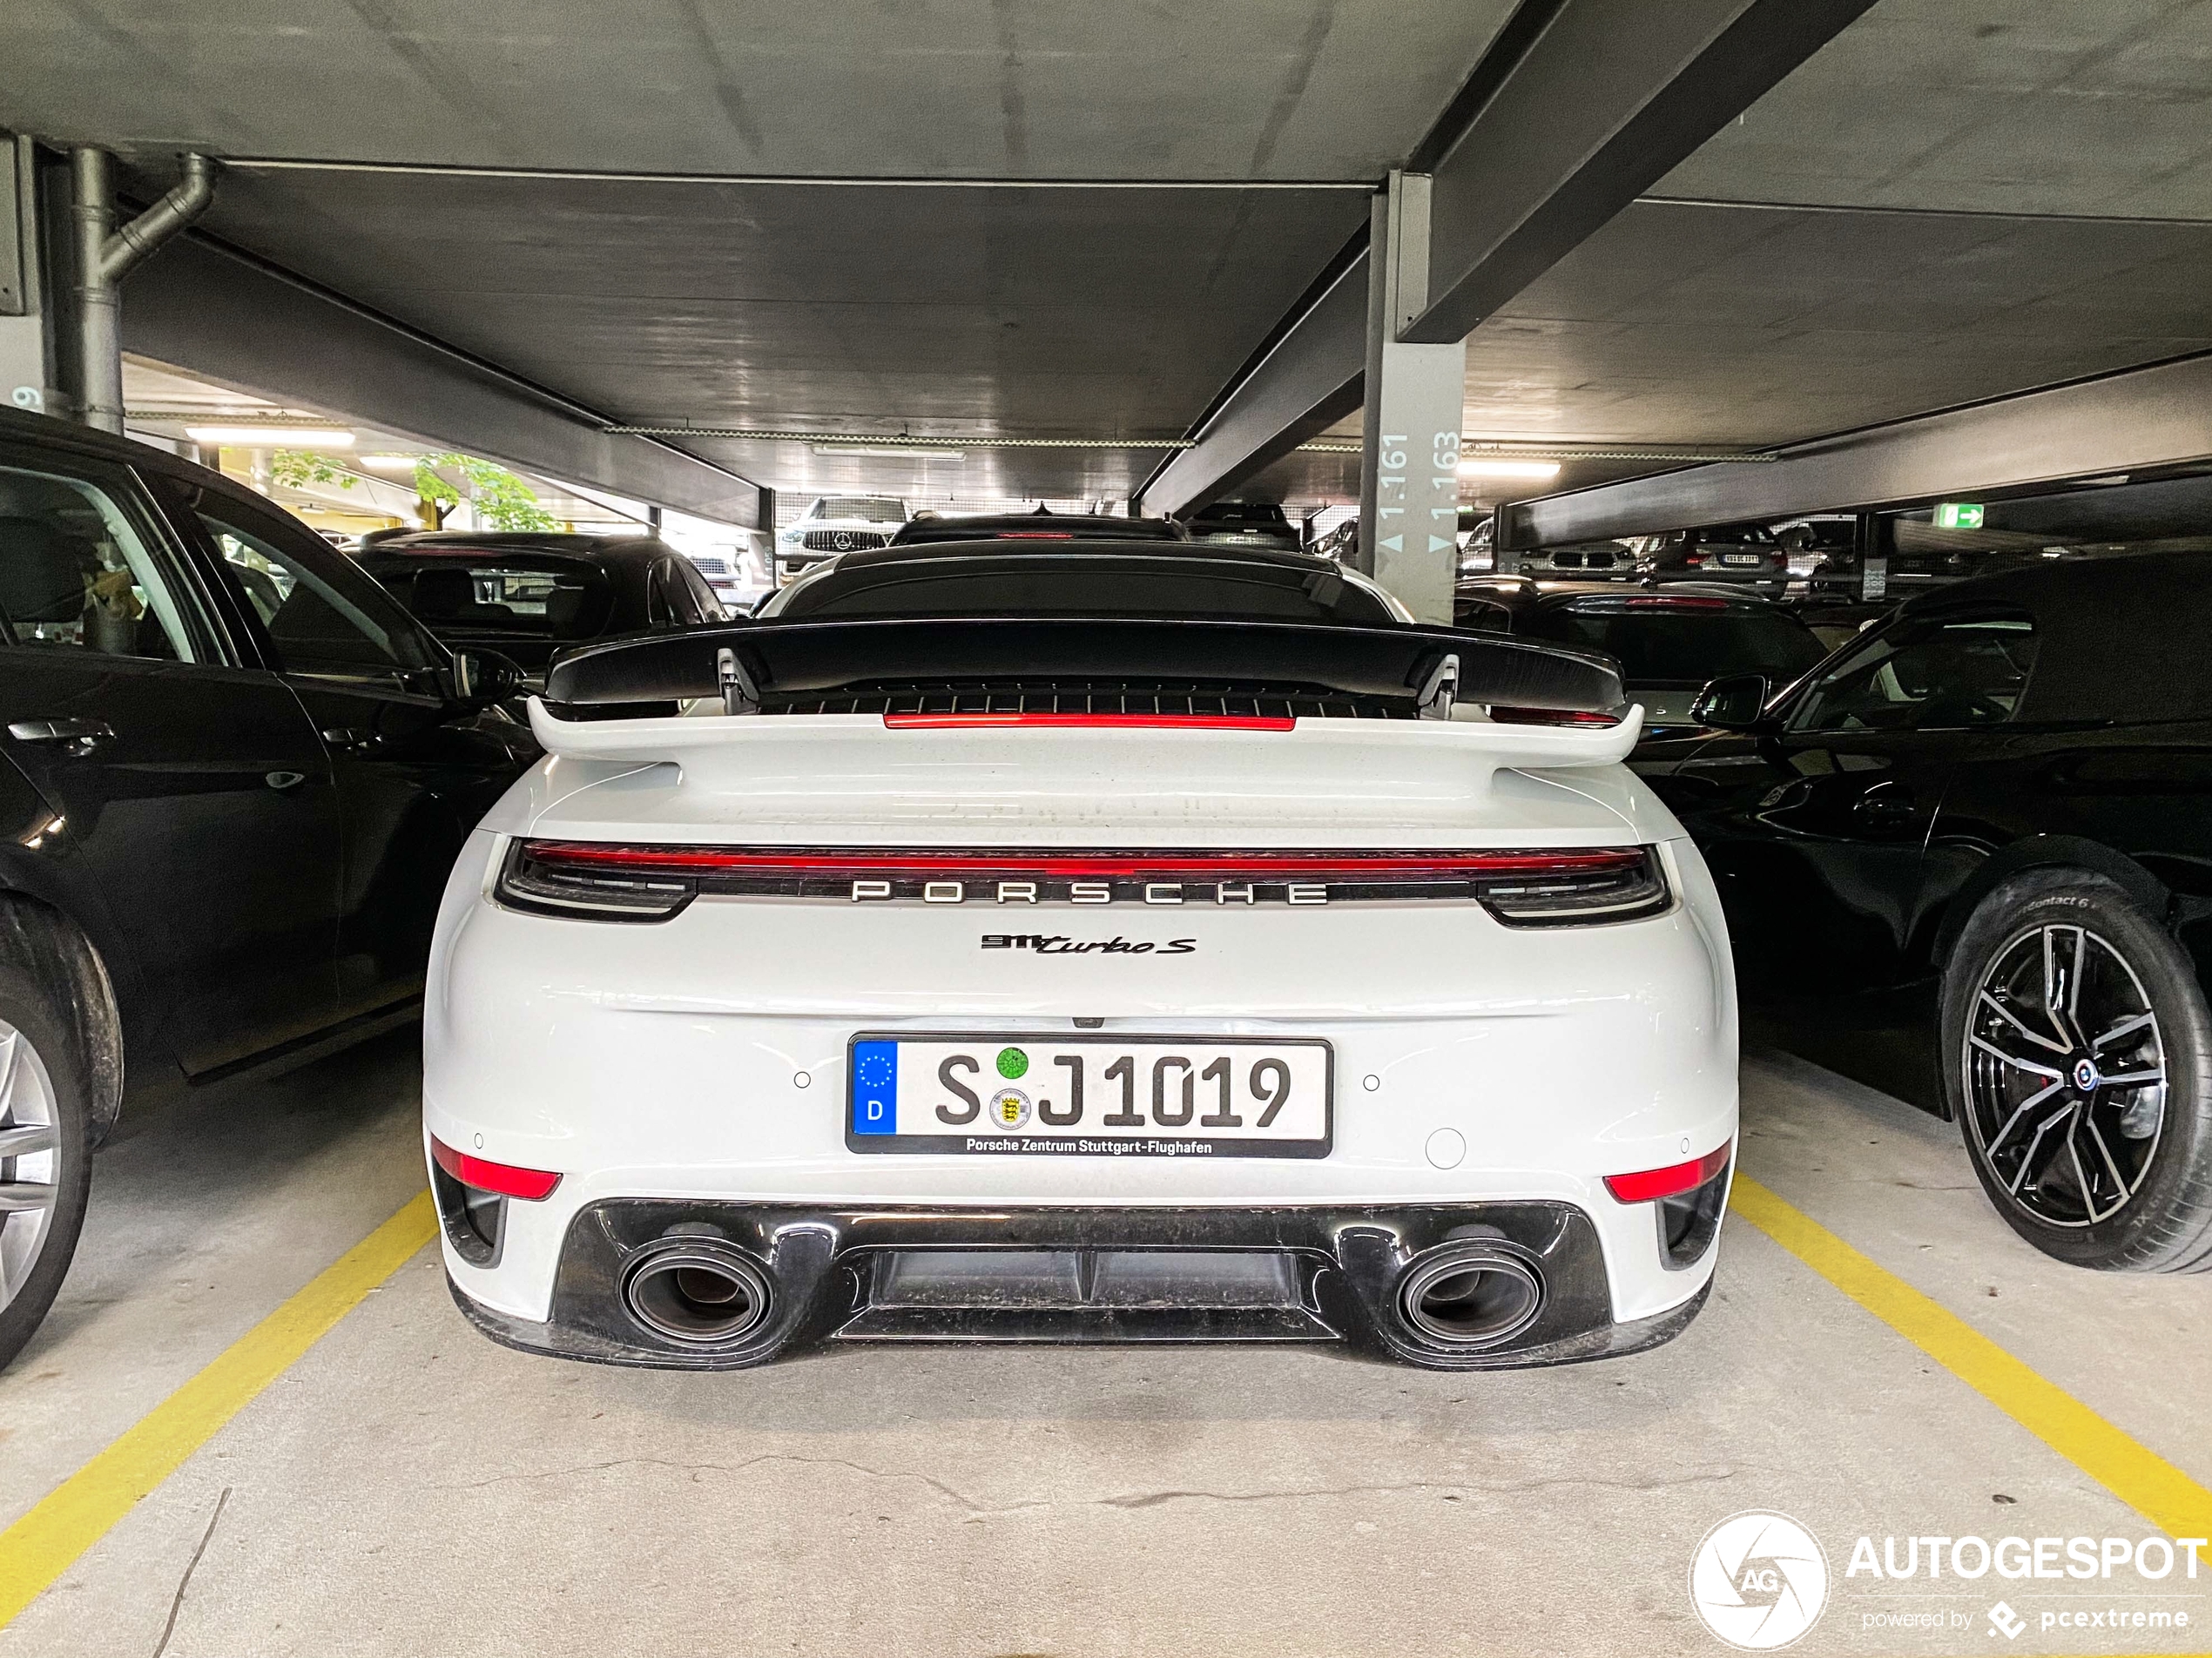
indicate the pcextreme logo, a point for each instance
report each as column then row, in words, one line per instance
column 1759, row 1580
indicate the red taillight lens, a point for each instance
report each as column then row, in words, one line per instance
column 1184, row 722
column 1036, row 535
column 1670, row 1181
column 1577, row 717
column 1567, row 886
column 1302, row 866
column 528, row 1184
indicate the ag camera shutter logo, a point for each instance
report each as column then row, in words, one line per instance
column 1759, row 1580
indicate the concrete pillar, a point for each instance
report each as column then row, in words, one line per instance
column 28, row 376
column 1409, row 471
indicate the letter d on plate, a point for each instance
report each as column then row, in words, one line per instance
column 875, row 1088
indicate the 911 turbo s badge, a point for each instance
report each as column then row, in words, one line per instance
column 1060, row 944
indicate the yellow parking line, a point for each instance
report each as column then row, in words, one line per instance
column 76, row 1513
column 2141, row 1478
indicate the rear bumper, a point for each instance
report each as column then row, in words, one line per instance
column 1337, row 1276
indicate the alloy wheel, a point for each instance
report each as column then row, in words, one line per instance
column 2065, row 1075
column 29, row 1156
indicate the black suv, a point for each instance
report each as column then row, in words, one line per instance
column 234, row 775
column 2008, row 784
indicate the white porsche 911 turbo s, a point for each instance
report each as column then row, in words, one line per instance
column 1106, row 942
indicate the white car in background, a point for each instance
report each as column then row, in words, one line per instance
column 740, row 576
column 835, row 524
column 1080, row 942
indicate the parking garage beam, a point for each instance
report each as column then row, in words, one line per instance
column 1575, row 109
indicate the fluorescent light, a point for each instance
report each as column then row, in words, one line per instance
column 907, row 454
column 269, row 437
column 389, row 462
column 1536, row 469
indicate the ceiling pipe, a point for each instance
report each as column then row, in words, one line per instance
column 105, row 255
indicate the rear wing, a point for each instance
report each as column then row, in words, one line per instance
column 847, row 667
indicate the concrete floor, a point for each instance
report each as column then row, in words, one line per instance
column 410, row 1488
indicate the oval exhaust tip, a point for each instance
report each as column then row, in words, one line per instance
column 699, row 1294
column 1469, row 1295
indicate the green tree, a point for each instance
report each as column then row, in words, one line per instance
column 296, row 469
column 502, row 501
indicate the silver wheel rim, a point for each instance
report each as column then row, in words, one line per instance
column 2065, row 1075
column 30, row 1159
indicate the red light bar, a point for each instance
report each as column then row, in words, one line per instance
column 1123, row 866
column 1574, row 717
column 1670, row 1181
column 1035, row 535
column 531, row 1185
column 1184, row 722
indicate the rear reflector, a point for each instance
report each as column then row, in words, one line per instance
column 1182, row 722
column 528, row 1184
column 1670, row 1181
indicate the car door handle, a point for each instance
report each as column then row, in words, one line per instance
column 76, row 735
column 1885, row 810
column 349, row 737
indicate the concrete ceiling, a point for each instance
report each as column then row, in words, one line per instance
column 859, row 309
column 1952, row 201
column 1085, row 89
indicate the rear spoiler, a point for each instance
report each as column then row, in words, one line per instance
column 754, row 664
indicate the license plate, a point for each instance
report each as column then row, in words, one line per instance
column 1098, row 1097
column 1740, row 558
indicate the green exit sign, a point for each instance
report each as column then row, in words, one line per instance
column 1959, row 515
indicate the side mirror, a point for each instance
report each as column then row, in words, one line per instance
column 1732, row 702
column 482, row 677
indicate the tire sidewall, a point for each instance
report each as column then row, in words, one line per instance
column 2142, row 1236
column 29, row 1009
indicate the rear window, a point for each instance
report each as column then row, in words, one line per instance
column 868, row 509
column 1041, row 585
column 543, row 598
column 1664, row 643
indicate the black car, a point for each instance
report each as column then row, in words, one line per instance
column 1604, row 560
column 235, row 776
column 1750, row 553
column 529, row 595
column 1083, row 578
column 1244, row 523
column 2006, row 785
column 1035, row 526
column 1670, row 642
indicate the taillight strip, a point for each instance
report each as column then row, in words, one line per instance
column 1352, row 867
column 1182, row 722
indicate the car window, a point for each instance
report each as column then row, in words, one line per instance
column 321, row 623
column 530, row 596
column 75, row 573
column 1041, row 584
column 1923, row 676
column 1682, row 641
column 706, row 606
